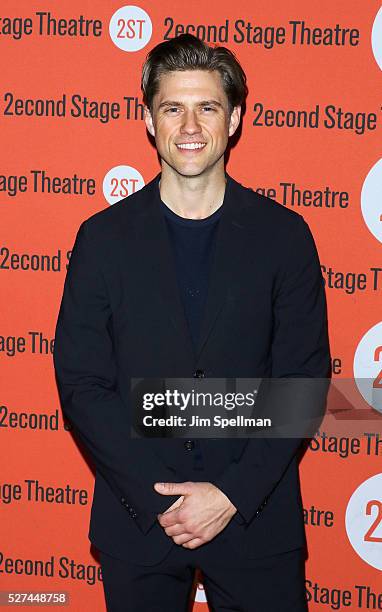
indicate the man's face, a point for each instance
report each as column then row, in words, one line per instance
column 190, row 121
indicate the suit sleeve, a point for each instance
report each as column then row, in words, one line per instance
column 300, row 348
column 86, row 379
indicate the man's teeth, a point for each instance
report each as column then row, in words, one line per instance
column 192, row 145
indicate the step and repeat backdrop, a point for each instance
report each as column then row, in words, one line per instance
column 73, row 142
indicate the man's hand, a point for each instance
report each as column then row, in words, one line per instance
column 203, row 512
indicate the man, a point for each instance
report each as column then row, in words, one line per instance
column 194, row 275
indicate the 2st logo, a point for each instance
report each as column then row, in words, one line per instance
column 200, row 594
column 371, row 197
column 367, row 367
column 120, row 182
column 363, row 521
column 130, row 28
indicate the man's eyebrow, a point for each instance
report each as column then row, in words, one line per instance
column 167, row 103
column 211, row 103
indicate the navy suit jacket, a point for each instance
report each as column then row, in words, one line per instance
column 121, row 316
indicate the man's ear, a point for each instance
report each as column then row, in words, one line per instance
column 234, row 120
column 149, row 121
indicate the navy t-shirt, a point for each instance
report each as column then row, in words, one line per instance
column 193, row 242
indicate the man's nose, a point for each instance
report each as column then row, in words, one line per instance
column 190, row 124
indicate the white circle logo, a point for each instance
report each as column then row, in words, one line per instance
column 367, row 367
column 121, row 182
column 363, row 521
column 130, row 28
column 371, row 200
column 200, row 595
column 376, row 38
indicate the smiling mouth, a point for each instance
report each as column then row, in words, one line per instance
column 191, row 146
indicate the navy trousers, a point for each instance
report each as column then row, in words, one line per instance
column 272, row 584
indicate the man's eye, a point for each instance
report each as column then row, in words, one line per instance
column 172, row 110
column 208, row 108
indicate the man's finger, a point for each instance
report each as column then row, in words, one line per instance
column 193, row 543
column 183, row 538
column 174, row 530
column 169, row 518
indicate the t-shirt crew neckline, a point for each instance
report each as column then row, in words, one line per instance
column 170, row 214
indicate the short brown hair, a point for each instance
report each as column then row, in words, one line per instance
column 187, row 52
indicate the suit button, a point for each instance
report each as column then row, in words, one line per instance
column 199, row 374
column 189, row 445
column 123, row 500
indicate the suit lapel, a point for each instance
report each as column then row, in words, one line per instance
column 158, row 267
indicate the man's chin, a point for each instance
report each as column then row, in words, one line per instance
column 190, row 172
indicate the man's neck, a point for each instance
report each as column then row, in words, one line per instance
column 195, row 197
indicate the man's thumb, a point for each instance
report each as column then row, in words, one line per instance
column 170, row 488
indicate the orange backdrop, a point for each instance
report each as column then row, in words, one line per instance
column 313, row 119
